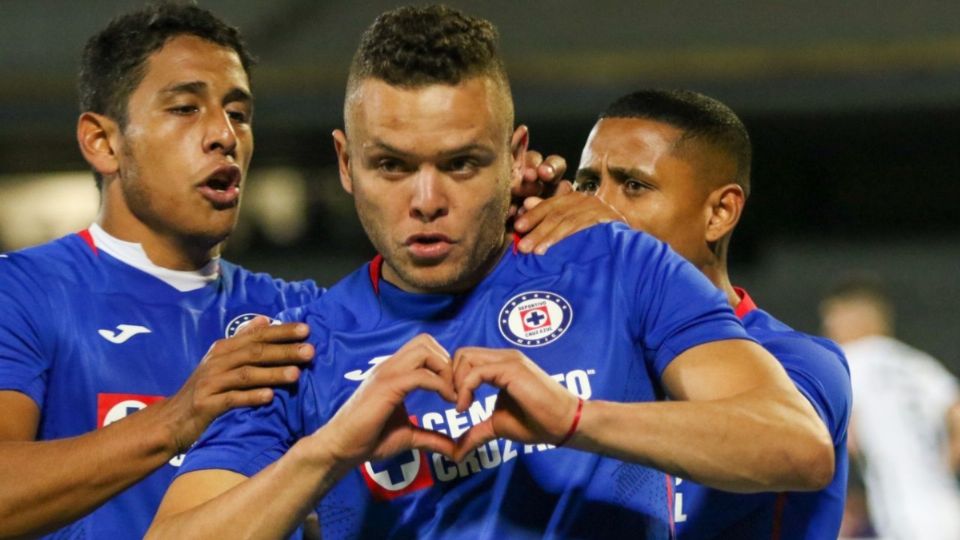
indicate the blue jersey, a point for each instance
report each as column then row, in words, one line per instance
column 819, row 370
column 604, row 313
column 91, row 339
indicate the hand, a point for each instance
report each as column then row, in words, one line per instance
column 373, row 424
column 531, row 407
column 546, row 222
column 540, row 178
column 238, row 372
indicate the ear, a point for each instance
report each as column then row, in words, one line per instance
column 343, row 160
column 518, row 149
column 725, row 206
column 99, row 139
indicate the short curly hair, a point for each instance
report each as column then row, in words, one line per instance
column 412, row 47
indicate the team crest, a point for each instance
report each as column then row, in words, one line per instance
column 239, row 322
column 535, row 318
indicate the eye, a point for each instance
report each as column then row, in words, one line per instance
column 391, row 166
column 241, row 117
column 586, row 185
column 634, row 187
column 463, row 165
column 184, row 110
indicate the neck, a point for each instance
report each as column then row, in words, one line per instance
column 716, row 272
column 166, row 250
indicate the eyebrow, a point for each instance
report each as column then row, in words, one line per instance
column 619, row 174
column 199, row 88
column 465, row 149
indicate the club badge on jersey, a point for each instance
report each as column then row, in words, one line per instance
column 535, row 318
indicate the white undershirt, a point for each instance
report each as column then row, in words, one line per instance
column 132, row 253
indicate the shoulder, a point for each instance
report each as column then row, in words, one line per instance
column 602, row 241
column 798, row 352
column 350, row 303
column 67, row 259
column 778, row 337
column 264, row 288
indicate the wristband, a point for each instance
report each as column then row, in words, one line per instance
column 573, row 426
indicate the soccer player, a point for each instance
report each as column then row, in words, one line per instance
column 573, row 348
column 676, row 165
column 98, row 325
column 901, row 431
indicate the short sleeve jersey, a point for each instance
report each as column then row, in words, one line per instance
column 603, row 313
column 819, row 370
column 91, row 339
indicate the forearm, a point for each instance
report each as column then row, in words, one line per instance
column 47, row 484
column 754, row 441
column 271, row 504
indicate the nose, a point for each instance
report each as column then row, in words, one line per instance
column 429, row 201
column 606, row 188
column 220, row 135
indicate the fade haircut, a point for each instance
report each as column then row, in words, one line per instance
column 700, row 117
column 114, row 60
column 412, row 47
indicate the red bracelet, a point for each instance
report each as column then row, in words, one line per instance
column 573, row 426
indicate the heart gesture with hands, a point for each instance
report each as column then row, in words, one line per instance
column 531, row 408
column 374, row 424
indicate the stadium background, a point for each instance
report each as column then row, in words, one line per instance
column 853, row 109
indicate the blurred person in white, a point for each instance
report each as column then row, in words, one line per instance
column 905, row 430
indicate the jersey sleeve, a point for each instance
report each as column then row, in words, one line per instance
column 24, row 320
column 822, row 376
column 673, row 305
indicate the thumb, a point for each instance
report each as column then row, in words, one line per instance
column 433, row 441
column 474, row 437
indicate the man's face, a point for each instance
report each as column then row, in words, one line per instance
column 187, row 144
column 430, row 171
column 634, row 165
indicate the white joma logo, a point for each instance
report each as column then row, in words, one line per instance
column 127, row 331
column 358, row 375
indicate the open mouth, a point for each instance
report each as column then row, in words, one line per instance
column 222, row 188
column 429, row 246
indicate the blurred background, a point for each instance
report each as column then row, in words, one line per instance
column 852, row 106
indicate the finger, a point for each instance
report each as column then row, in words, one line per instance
column 496, row 374
column 552, row 169
column 245, row 377
column 280, row 333
column 543, row 230
column 467, row 362
column 426, row 341
column 423, row 379
column 474, row 437
column 265, row 354
column 532, row 160
column 433, row 441
column 564, row 187
column 540, row 210
column 243, row 398
column 259, row 321
column 568, row 226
